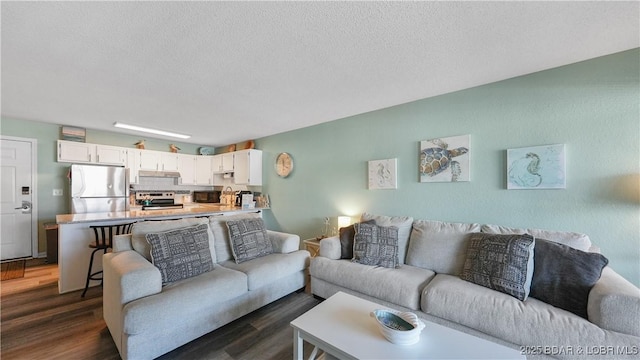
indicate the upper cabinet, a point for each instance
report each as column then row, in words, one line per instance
column 111, row 155
column 187, row 169
column 168, row 161
column 204, row 174
column 132, row 165
column 223, row 163
column 148, row 160
column 76, row 152
column 243, row 167
column 248, row 167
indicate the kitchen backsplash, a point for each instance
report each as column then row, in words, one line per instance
column 161, row 183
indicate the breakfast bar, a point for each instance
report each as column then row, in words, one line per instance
column 75, row 235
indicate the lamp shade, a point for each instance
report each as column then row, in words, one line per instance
column 344, row 221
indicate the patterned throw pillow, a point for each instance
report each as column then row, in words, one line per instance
column 500, row 262
column 346, row 240
column 249, row 239
column 181, row 253
column 376, row 245
column 564, row 276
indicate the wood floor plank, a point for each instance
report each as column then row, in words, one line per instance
column 38, row 323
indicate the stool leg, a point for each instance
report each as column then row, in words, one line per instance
column 86, row 285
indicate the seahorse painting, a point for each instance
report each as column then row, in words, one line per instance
column 539, row 167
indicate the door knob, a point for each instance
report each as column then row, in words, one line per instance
column 26, row 207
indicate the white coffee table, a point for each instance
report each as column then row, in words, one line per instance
column 341, row 326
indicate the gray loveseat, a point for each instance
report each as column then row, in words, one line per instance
column 147, row 319
column 432, row 255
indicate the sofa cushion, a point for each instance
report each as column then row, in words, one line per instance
column 564, row 276
column 142, row 228
column 376, row 245
column 400, row 286
column 531, row 322
column 346, row 240
column 181, row 253
column 270, row 268
column 575, row 240
column 218, row 225
column 500, row 262
column 439, row 246
column 403, row 224
column 248, row 239
column 182, row 300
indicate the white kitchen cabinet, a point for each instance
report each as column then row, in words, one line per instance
column 76, row 152
column 149, row 160
column 168, row 162
column 187, row 169
column 204, row 172
column 248, row 167
column 111, row 155
column 223, row 163
column 132, row 165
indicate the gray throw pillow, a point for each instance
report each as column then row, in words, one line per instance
column 501, row 262
column 249, row 239
column 346, row 240
column 564, row 276
column 376, row 245
column 181, row 253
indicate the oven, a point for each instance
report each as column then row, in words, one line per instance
column 157, row 200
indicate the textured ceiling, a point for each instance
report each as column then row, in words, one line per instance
column 226, row 72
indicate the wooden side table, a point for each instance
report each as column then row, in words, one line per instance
column 313, row 246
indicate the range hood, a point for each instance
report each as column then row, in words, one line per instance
column 163, row 174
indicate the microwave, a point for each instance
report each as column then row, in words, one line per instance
column 212, row 196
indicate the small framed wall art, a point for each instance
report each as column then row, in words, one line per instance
column 383, row 174
column 536, row 167
column 445, row 159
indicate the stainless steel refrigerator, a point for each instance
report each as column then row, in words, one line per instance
column 96, row 188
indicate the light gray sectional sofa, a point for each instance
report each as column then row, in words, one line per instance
column 432, row 257
column 147, row 319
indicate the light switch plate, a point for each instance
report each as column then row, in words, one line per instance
column 57, row 192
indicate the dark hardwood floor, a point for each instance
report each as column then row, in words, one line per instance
column 38, row 323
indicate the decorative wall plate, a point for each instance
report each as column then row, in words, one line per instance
column 207, row 150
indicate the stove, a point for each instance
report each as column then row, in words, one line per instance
column 157, row 200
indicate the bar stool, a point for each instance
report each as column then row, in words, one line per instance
column 103, row 234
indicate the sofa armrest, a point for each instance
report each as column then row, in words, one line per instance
column 121, row 243
column 284, row 243
column 129, row 276
column 614, row 303
column 330, row 248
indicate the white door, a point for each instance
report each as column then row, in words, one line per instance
column 17, row 194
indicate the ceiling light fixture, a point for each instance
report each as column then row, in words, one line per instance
column 152, row 131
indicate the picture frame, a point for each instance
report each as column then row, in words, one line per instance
column 446, row 159
column 536, row 167
column 383, row 174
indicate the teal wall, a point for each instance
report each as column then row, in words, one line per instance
column 592, row 107
column 53, row 175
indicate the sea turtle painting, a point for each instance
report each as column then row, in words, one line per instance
column 440, row 159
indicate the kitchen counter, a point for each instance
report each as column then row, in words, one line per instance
column 136, row 213
column 74, row 236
